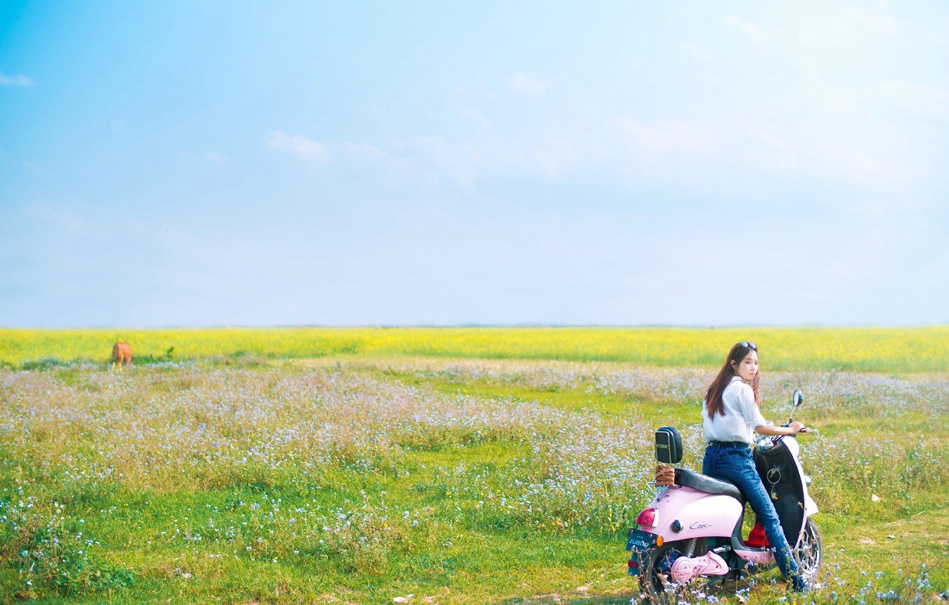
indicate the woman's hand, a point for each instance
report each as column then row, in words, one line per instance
column 797, row 427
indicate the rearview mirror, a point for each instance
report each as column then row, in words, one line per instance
column 797, row 398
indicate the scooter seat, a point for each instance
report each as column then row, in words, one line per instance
column 707, row 484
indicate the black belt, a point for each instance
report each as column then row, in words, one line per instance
column 738, row 444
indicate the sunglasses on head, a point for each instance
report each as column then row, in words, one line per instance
column 749, row 345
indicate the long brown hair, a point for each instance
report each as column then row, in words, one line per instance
column 713, row 395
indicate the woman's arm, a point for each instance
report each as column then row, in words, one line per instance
column 769, row 429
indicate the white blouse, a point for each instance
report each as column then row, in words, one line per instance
column 741, row 417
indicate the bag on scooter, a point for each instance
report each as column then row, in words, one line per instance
column 668, row 445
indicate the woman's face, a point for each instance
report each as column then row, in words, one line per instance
column 747, row 368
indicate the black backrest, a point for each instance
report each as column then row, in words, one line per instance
column 668, row 445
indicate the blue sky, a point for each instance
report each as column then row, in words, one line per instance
column 212, row 163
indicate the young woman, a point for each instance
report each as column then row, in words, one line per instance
column 730, row 418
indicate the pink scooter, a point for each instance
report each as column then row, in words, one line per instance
column 693, row 527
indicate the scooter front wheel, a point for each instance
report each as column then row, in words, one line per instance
column 810, row 550
column 655, row 579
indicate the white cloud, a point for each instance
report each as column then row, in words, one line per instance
column 215, row 158
column 667, row 136
column 60, row 218
column 749, row 29
column 526, row 83
column 697, row 52
column 396, row 167
column 475, row 115
column 6, row 80
column 851, row 151
column 844, row 26
column 875, row 23
column 365, row 152
column 917, row 97
column 556, row 158
column 437, row 161
column 936, row 42
column 434, row 162
column 423, row 160
column 300, row 146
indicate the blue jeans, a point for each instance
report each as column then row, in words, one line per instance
column 737, row 465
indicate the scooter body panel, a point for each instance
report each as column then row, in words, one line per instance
column 782, row 475
column 699, row 514
column 810, row 507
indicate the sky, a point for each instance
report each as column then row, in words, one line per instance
column 635, row 163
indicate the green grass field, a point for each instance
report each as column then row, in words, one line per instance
column 437, row 466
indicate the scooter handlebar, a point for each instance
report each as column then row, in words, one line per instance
column 803, row 430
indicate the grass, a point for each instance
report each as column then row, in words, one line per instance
column 359, row 478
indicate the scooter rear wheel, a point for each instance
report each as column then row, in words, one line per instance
column 810, row 550
column 655, row 581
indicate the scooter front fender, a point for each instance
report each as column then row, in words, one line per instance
column 810, row 507
column 684, row 513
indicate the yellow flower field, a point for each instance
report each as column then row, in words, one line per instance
column 915, row 349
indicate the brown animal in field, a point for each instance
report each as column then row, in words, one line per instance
column 121, row 354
